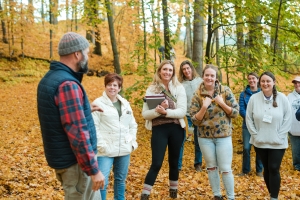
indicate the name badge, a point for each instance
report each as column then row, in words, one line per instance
column 267, row 118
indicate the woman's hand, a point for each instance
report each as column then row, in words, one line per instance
column 161, row 110
column 206, row 102
column 165, row 104
column 219, row 100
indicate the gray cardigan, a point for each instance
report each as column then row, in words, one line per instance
column 190, row 87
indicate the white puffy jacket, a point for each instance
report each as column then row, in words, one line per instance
column 116, row 136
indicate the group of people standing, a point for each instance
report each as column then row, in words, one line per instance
column 270, row 117
column 267, row 118
column 83, row 142
column 215, row 144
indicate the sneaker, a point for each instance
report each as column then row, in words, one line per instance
column 198, row 168
column 260, row 174
column 242, row 174
column 239, row 152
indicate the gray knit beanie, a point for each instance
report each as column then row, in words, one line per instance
column 72, row 42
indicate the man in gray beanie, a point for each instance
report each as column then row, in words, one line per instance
column 67, row 126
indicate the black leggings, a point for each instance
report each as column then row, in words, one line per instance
column 170, row 135
column 271, row 159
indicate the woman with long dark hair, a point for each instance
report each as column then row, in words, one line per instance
column 268, row 120
column 190, row 80
column 251, row 89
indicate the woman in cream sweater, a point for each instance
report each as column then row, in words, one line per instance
column 268, row 119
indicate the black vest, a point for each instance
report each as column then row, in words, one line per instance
column 57, row 147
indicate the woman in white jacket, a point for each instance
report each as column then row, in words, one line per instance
column 167, row 125
column 268, row 119
column 116, row 134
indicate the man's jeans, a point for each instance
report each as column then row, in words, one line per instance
column 120, row 168
column 198, row 154
column 246, row 154
column 217, row 153
column 77, row 184
column 295, row 142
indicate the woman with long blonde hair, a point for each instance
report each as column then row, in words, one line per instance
column 167, row 125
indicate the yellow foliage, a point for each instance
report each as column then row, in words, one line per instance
column 24, row 173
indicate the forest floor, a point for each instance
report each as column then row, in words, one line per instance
column 24, row 173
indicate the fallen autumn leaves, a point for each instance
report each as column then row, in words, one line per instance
column 24, row 173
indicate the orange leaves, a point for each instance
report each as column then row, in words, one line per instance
column 24, row 173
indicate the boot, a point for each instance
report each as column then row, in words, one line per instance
column 145, row 196
column 173, row 193
column 218, row 198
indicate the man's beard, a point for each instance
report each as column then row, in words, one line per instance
column 83, row 65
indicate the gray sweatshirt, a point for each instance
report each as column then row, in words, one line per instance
column 268, row 125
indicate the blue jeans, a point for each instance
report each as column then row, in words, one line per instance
column 246, row 154
column 217, row 153
column 295, row 142
column 198, row 154
column 76, row 183
column 120, row 170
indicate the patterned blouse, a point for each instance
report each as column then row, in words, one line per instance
column 215, row 123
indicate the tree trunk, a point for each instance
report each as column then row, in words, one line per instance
column 240, row 39
column 198, row 36
column 4, row 34
column 11, row 22
column 255, row 38
column 97, row 49
column 209, row 34
column 145, row 35
column 179, row 25
column 112, row 37
column 155, row 33
column 67, row 15
column 74, row 15
column 216, row 33
column 55, row 12
column 51, row 32
column 166, row 29
column 188, row 30
column 43, row 13
column 31, row 11
column 277, row 45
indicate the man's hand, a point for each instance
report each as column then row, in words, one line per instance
column 95, row 108
column 98, row 181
